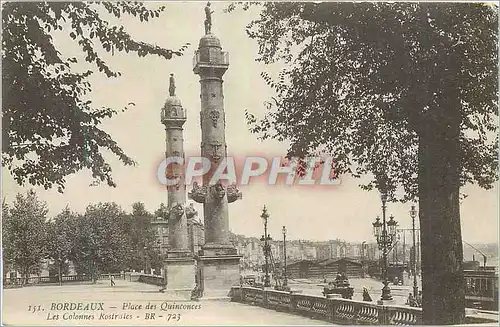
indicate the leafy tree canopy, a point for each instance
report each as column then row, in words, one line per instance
column 362, row 82
column 162, row 211
column 101, row 243
column 50, row 127
column 142, row 235
column 139, row 209
column 61, row 232
column 404, row 92
column 23, row 232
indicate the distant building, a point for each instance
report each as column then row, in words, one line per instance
column 304, row 269
column 309, row 252
column 298, row 250
column 352, row 268
column 196, row 234
column 324, row 251
column 161, row 227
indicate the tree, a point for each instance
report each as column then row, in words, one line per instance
column 162, row 211
column 23, row 232
column 138, row 209
column 142, row 237
column 50, row 126
column 101, row 243
column 403, row 92
column 5, row 213
column 60, row 240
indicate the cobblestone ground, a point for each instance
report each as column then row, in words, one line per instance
column 38, row 305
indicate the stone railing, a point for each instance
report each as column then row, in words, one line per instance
column 151, row 279
column 335, row 310
column 42, row 280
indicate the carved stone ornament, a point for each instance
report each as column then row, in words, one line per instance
column 176, row 186
column 233, row 193
column 176, row 211
column 215, row 153
column 218, row 190
column 214, row 116
column 191, row 211
column 198, row 193
column 172, row 174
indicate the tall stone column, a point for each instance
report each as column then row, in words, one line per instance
column 179, row 263
column 219, row 262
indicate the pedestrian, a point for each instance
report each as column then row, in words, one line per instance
column 366, row 295
column 419, row 299
column 195, row 293
column 112, row 279
column 411, row 300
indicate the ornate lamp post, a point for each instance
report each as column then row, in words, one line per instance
column 267, row 248
column 146, row 260
column 363, row 264
column 385, row 233
column 413, row 214
column 285, row 281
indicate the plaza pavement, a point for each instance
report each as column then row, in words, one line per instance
column 16, row 304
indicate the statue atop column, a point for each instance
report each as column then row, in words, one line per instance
column 208, row 18
column 171, row 88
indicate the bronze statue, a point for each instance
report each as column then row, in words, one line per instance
column 208, row 18
column 171, row 88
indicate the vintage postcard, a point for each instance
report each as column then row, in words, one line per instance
column 249, row 163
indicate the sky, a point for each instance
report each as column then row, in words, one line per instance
column 338, row 212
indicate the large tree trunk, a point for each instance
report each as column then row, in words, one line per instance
column 443, row 289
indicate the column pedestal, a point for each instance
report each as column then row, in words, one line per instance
column 219, row 268
column 179, row 275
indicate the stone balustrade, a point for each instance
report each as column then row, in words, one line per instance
column 336, row 310
column 151, row 279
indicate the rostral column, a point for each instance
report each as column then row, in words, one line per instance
column 219, row 262
column 179, row 264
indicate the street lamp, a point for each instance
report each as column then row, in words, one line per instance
column 267, row 248
column 413, row 214
column 385, row 233
column 146, row 260
column 59, row 267
column 363, row 263
column 285, row 282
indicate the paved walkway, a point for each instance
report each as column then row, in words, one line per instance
column 51, row 305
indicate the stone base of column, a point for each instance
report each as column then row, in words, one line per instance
column 179, row 275
column 213, row 249
column 219, row 270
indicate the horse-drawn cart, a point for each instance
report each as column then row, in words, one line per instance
column 339, row 286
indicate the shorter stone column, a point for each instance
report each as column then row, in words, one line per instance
column 179, row 264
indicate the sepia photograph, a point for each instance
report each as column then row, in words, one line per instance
column 250, row 163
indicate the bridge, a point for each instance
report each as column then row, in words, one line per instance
column 44, row 305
